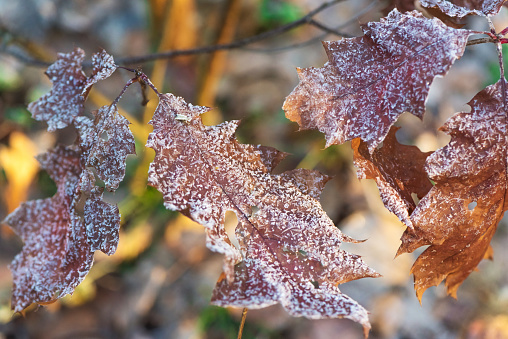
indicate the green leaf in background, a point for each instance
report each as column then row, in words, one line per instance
column 9, row 77
column 492, row 73
column 217, row 322
column 278, row 12
column 18, row 115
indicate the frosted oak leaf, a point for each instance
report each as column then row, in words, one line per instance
column 460, row 214
column 61, row 233
column 59, row 240
column 462, row 8
column 103, row 65
column 289, row 249
column 55, row 256
column 106, row 142
column 369, row 81
column 70, row 88
column 398, row 171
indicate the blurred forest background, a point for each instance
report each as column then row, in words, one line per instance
column 159, row 283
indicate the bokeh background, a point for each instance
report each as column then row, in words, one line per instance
column 159, row 283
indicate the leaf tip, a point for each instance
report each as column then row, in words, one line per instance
column 366, row 330
column 452, row 290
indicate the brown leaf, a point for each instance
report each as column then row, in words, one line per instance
column 59, row 234
column 398, row 170
column 103, row 65
column 287, row 242
column 64, row 102
column 102, row 221
column 460, row 214
column 401, row 5
column 106, row 142
column 55, row 256
column 369, row 81
column 462, row 8
column 66, row 99
column 254, row 289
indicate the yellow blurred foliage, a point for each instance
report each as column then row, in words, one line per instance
column 157, row 10
column 180, row 237
column 217, row 64
column 5, row 313
column 495, row 327
column 179, row 225
column 218, row 61
column 20, row 167
column 179, row 31
column 133, row 242
column 87, row 289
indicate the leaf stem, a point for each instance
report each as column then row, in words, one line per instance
column 503, row 32
column 130, row 82
column 242, row 323
column 499, row 48
column 140, row 77
column 479, row 41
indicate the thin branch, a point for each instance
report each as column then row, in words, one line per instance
column 307, row 19
column 27, row 60
column 327, row 29
column 233, row 45
column 499, row 48
column 318, row 38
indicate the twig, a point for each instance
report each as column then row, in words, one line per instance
column 25, row 58
column 242, row 323
column 479, row 41
column 236, row 44
column 307, row 19
column 321, row 37
column 327, row 29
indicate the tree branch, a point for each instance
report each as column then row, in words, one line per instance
column 305, row 20
column 26, row 59
column 335, row 31
column 236, row 44
column 327, row 29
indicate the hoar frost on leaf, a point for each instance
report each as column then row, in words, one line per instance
column 460, row 214
column 59, row 239
column 107, row 156
column 61, row 233
column 369, row 81
column 66, row 99
column 462, row 8
column 103, row 65
column 288, row 245
column 55, row 256
column 398, row 171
